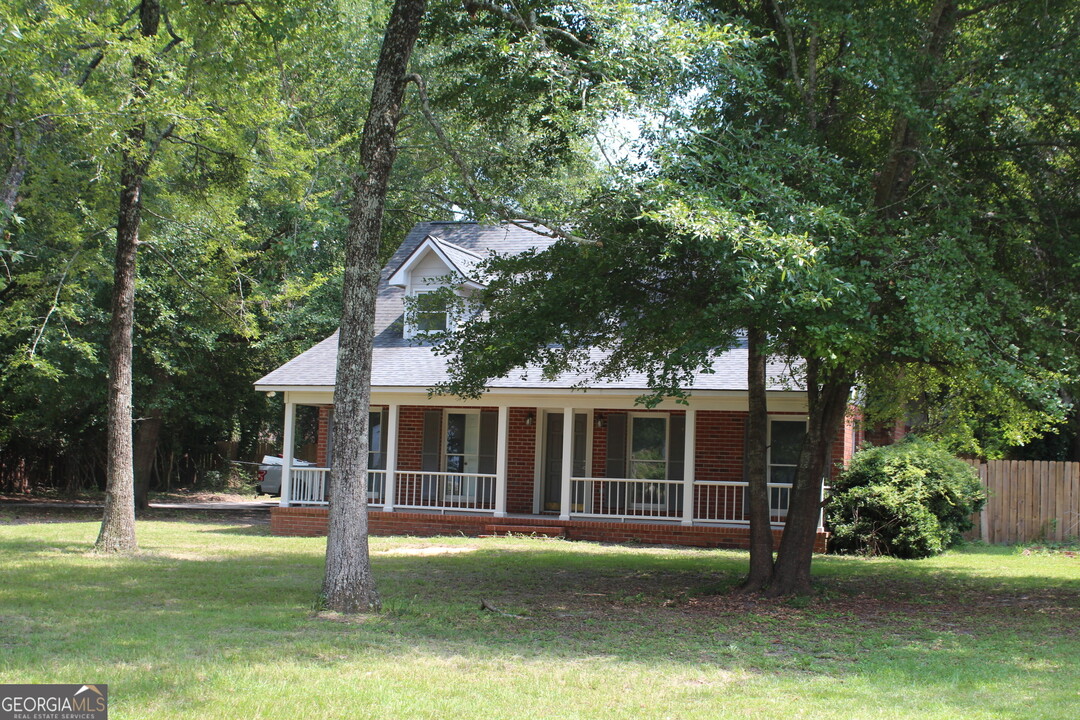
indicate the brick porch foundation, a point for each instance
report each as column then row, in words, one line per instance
column 311, row 522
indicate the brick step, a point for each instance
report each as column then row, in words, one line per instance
column 542, row 530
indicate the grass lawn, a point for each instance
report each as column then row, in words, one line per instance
column 216, row 620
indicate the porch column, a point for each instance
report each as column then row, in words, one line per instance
column 502, row 460
column 821, row 512
column 567, row 463
column 688, row 468
column 287, row 452
column 391, row 458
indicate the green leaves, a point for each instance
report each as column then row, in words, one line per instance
column 876, row 186
column 910, row 500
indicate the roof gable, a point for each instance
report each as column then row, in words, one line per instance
column 457, row 260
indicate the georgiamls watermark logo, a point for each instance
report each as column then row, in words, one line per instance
column 54, row 702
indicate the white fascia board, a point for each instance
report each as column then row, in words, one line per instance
column 295, row 388
column 608, row 398
column 400, row 277
column 575, row 393
column 733, row 400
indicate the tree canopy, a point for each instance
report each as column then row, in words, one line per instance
column 878, row 187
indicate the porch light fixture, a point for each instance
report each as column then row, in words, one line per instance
column 530, row 419
column 600, row 422
column 271, row 394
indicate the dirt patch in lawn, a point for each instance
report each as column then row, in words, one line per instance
column 20, row 514
column 424, row 551
column 204, row 496
column 962, row 607
column 958, row 605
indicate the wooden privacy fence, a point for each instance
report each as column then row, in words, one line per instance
column 1028, row 501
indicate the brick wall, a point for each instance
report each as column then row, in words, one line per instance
column 322, row 443
column 718, row 445
column 599, row 439
column 410, row 437
column 312, row 522
column 520, row 458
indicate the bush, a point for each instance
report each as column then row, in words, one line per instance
column 909, row 500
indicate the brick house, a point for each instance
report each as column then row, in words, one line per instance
column 531, row 455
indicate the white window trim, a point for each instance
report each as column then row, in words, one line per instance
column 412, row 330
column 777, row 511
column 443, row 454
column 666, row 417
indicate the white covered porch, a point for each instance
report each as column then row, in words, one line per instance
column 543, row 458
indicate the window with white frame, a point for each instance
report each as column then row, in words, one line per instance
column 648, row 458
column 462, row 442
column 429, row 311
column 785, row 443
column 648, row 447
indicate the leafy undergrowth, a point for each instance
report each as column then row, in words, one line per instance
column 217, row 620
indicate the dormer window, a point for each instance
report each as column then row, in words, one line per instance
column 429, row 312
column 427, row 274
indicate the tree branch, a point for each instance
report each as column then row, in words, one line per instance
column 981, row 8
column 790, row 38
column 187, row 282
column 165, row 134
column 194, row 143
column 176, row 39
column 507, row 213
column 90, row 68
column 52, row 309
column 529, row 26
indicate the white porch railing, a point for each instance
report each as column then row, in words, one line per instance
column 310, row 486
column 625, row 498
column 713, row 502
column 445, row 491
column 727, row 502
column 376, row 487
column 615, row 498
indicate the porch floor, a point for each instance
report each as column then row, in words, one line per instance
column 312, row 521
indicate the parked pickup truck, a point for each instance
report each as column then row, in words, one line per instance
column 269, row 482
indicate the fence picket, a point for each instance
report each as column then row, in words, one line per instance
column 1028, row 501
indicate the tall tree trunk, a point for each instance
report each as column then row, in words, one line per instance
column 118, row 524
column 9, row 187
column 145, row 453
column 757, row 429
column 828, row 400
column 9, row 190
column 349, row 585
column 828, row 404
column 895, row 177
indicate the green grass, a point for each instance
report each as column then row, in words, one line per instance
column 217, row 621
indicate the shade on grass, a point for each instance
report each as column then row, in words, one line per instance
column 218, row 621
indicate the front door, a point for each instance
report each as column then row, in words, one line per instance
column 552, row 462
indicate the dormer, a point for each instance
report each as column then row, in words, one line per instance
column 433, row 265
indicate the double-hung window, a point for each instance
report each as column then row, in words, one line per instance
column 649, row 459
column 429, row 311
column 785, row 444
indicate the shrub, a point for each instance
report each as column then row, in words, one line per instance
column 908, row 500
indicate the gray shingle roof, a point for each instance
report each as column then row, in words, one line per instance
column 465, row 261
column 401, row 363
